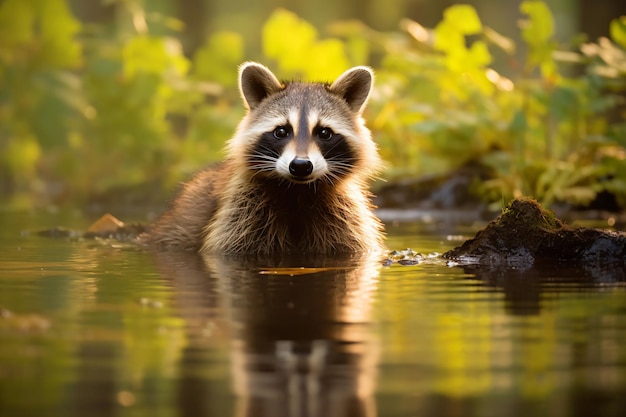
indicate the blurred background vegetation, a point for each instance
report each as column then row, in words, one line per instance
column 100, row 96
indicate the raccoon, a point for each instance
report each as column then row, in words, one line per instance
column 295, row 179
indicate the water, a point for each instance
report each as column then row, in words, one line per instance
column 102, row 329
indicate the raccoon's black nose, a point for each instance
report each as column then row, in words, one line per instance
column 300, row 167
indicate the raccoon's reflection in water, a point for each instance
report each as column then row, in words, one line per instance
column 301, row 340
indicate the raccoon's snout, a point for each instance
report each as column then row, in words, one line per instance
column 300, row 167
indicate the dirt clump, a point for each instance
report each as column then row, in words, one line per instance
column 525, row 233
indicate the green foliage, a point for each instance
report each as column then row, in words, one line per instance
column 293, row 43
column 217, row 58
column 537, row 31
column 543, row 133
column 85, row 109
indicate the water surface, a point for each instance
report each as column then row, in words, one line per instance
column 93, row 328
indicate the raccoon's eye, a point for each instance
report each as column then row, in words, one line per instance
column 281, row 132
column 325, row 133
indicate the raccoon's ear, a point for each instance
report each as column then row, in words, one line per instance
column 256, row 82
column 354, row 86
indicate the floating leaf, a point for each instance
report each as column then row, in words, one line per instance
column 106, row 224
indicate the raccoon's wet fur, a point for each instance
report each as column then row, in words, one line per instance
column 295, row 179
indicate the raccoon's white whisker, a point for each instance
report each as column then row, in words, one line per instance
column 343, row 170
column 262, row 162
column 339, row 160
column 270, row 155
column 331, row 178
column 339, row 164
column 260, row 157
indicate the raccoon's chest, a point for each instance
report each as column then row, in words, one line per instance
column 299, row 214
column 295, row 218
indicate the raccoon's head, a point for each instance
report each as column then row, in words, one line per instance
column 304, row 132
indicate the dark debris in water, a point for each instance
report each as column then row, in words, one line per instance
column 522, row 236
column 526, row 233
column 407, row 257
column 60, row 233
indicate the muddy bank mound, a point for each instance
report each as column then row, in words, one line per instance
column 526, row 233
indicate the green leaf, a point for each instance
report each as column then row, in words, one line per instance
column 537, row 32
column 448, row 38
column 479, row 54
column 42, row 31
column 519, row 123
column 218, row 59
column 617, row 29
column 16, row 22
column 463, row 18
column 58, row 30
column 294, row 44
column 153, row 55
column 288, row 39
column 327, row 61
column 20, row 156
column 539, row 27
column 563, row 102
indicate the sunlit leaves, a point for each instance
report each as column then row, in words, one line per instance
column 153, row 55
column 20, row 157
column 38, row 45
column 217, row 60
column 532, row 131
column 295, row 46
column 539, row 28
column 17, row 19
column 537, row 31
column 58, row 29
column 463, row 18
column 285, row 33
column 618, row 31
column 469, row 62
column 42, row 29
column 356, row 36
column 138, row 104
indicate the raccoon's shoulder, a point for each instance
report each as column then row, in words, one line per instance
column 182, row 225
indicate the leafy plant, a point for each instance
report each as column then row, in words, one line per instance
column 302, row 55
column 542, row 133
column 37, row 52
column 84, row 110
